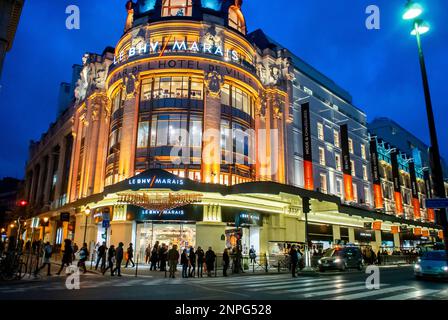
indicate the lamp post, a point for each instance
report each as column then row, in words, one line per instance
column 412, row 12
column 44, row 225
column 86, row 213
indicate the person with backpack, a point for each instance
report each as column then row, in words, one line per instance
column 130, row 255
column 83, row 256
column 119, row 258
column 110, row 260
column 200, row 254
column 67, row 257
column 46, row 260
column 252, row 254
column 101, row 256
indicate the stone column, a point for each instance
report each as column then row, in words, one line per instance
column 378, row 241
column 397, row 242
column 260, row 136
column 351, row 235
column 103, row 137
column 336, row 233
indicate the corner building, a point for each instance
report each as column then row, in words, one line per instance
column 190, row 132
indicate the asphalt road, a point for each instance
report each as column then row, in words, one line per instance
column 397, row 283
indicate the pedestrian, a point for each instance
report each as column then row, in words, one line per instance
column 148, row 254
column 294, row 259
column 46, row 260
column 101, row 256
column 210, row 258
column 301, row 258
column 83, row 256
column 67, row 256
column 200, row 254
column 130, row 255
column 157, row 248
column 192, row 266
column 154, row 258
column 173, row 260
column 110, row 260
column 119, row 258
column 225, row 261
column 75, row 250
column 184, row 263
column 163, row 256
column 2, row 247
column 252, row 254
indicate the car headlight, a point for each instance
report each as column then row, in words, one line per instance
column 417, row 267
column 419, row 260
column 445, row 268
column 319, row 261
column 337, row 260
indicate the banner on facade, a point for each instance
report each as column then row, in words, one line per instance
column 346, row 164
column 307, row 147
column 395, row 229
column 397, row 183
column 377, row 225
column 414, row 191
column 417, row 231
column 376, row 177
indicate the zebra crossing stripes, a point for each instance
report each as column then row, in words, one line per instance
column 370, row 293
column 293, row 284
column 411, row 295
column 338, row 290
column 319, row 286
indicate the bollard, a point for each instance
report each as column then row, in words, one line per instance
column 136, row 265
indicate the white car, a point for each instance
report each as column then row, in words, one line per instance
column 432, row 264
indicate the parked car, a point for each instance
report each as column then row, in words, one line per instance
column 432, row 264
column 341, row 259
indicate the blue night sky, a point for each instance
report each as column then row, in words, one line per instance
column 379, row 67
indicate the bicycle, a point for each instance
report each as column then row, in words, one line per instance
column 12, row 267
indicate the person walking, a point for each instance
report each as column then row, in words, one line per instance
column 200, row 254
column 154, row 258
column 225, row 261
column 252, row 254
column 101, row 256
column 184, row 263
column 110, row 260
column 192, row 266
column 46, row 260
column 210, row 258
column 83, row 256
column 163, row 256
column 147, row 254
column 173, row 260
column 67, row 257
column 130, row 255
column 119, row 258
column 294, row 258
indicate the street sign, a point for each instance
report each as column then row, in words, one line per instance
column 436, row 203
column 106, row 224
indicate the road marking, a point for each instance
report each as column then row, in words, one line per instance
column 370, row 293
column 337, row 291
column 287, row 284
column 321, row 286
column 410, row 295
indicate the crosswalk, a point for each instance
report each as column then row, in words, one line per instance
column 275, row 286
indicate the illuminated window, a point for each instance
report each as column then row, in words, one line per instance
column 143, row 131
column 338, row 161
column 364, row 173
column 322, row 156
column 353, row 168
column 355, row 192
column 320, row 131
column 176, row 8
column 117, row 101
column 337, row 142
column 236, row 19
column 225, row 95
column 174, row 87
column 367, row 195
column 339, row 187
column 363, row 152
column 323, row 183
column 350, row 145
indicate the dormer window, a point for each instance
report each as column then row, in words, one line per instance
column 177, row 8
column 236, row 19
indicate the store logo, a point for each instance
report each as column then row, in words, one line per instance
column 163, row 213
column 184, row 46
column 155, row 180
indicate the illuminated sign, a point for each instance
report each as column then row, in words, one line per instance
column 163, row 213
column 151, row 48
column 156, row 181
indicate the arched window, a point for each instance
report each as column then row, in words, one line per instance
column 236, row 19
column 177, row 8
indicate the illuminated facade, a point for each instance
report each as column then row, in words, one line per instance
column 191, row 128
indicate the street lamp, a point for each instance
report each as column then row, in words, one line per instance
column 44, row 225
column 87, row 213
column 412, row 12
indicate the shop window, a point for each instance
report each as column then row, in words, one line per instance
column 171, row 130
column 176, row 8
column 236, row 19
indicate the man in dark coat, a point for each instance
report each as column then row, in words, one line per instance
column 67, row 256
column 101, row 256
column 294, row 260
column 200, row 254
column 210, row 258
column 130, row 253
column 110, row 259
column 119, row 254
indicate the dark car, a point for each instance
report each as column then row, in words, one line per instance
column 341, row 259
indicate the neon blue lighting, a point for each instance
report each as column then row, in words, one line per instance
column 146, row 5
column 212, row 4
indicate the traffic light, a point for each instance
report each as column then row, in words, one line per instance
column 23, row 203
column 306, row 205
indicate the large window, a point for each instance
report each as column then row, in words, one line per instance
column 117, row 101
column 143, row 131
column 176, row 8
column 320, row 131
column 322, row 156
column 236, row 19
column 173, row 87
column 237, row 98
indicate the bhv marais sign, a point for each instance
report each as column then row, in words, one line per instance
column 149, row 48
